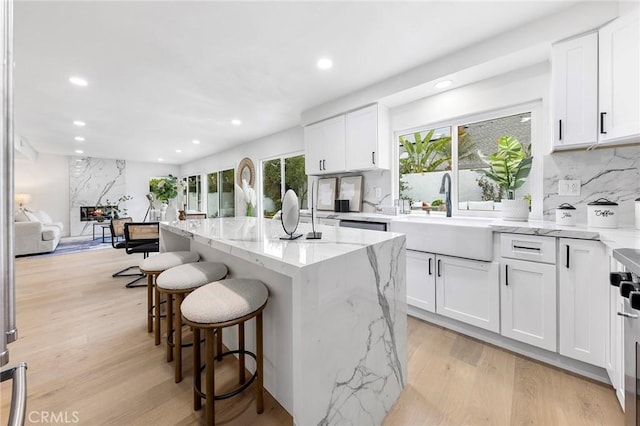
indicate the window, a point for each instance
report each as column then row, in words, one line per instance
column 426, row 154
column 193, row 193
column 279, row 175
column 221, row 194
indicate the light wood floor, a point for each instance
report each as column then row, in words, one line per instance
column 84, row 338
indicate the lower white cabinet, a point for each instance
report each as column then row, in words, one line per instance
column 421, row 280
column 614, row 348
column 468, row 291
column 583, row 291
column 528, row 302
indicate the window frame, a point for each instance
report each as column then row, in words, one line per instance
column 205, row 185
column 537, row 133
column 260, row 177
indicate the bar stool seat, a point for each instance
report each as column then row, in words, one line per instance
column 180, row 281
column 154, row 266
column 215, row 306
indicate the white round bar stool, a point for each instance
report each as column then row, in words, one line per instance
column 178, row 282
column 213, row 307
column 154, row 266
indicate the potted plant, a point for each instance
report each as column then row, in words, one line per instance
column 509, row 168
column 165, row 189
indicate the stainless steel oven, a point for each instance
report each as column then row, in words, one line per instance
column 630, row 291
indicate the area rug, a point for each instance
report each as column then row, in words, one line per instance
column 74, row 245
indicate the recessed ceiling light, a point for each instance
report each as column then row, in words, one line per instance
column 79, row 123
column 160, row 159
column 195, row 141
column 324, row 63
column 178, row 151
column 236, row 122
column 79, row 138
column 79, row 151
column 78, row 81
column 444, row 83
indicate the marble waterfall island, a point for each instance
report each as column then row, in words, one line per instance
column 335, row 327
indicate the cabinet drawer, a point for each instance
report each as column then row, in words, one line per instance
column 528, row 247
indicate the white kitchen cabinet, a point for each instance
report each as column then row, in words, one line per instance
column 528, row 302
column 325, row 146
column 367, row 139
column 421, row 280
column 468, row 291
column 583, row 291
column 614, row 348
column 619, row 67
column 596, row 89
column 575, row 88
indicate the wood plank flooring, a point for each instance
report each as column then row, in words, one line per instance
column 91, row 359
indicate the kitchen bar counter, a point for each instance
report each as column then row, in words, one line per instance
column 335, row 327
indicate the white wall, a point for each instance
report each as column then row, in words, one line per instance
column 137, row 175
column 47, row 180
column 289, row 141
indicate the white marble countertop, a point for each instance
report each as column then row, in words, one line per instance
column 364, row 217
column 613, row 238
column 258, row 240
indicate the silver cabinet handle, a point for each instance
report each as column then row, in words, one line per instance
column 18, row 408
column 628, row 315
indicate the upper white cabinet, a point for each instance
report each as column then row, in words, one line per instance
column 583, row 291
column 596, row 89
column 368, row 144
column 358, row 140
column 620, row 79
column 325, row 146
column 575, row 88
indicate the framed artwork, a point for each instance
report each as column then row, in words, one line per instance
column 326, row 193
column 351, row 189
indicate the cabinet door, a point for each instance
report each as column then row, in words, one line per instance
column 314, row 148
column 421, row 281
column 324, row 146
column 619, row 83
column 334, row 142
column 575, row 90
column 583, row 291
column 528, row 302
column 362, row 138
column 614, row 348
column 468, row 291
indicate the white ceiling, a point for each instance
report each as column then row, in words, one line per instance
column 164, row 73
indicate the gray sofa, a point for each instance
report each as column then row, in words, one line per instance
column 36, row 233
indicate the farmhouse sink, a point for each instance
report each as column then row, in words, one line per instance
column 467, row 237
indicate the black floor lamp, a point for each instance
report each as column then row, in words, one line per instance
column 150, row 197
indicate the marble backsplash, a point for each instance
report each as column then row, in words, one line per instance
column 612, row 173
column 91, row 182
column 372, row 179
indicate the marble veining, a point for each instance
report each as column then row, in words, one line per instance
column 612, row 173
column 91, row 182
column 336, row 318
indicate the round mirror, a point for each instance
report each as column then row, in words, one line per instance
column 246, row 171
column 290, row 213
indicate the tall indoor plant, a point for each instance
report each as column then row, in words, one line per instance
column 509, row 168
